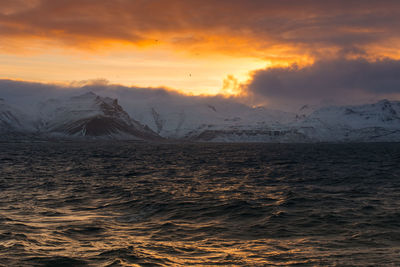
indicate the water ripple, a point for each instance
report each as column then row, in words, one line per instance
column 137, row 204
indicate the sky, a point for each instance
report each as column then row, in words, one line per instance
column 265, row 52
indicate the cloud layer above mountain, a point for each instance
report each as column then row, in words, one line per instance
column 332, row 82
column 345, row 51
column 338, row 80
column 28, row 95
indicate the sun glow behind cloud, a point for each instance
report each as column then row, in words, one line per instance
column 189, row 73
column 194, row 47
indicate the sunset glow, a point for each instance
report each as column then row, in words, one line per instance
column 188, row 46
column 199, row 132
column 147, row 67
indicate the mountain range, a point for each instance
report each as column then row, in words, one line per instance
column 89, row 116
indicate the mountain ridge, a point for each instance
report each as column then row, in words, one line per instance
column 90, row 116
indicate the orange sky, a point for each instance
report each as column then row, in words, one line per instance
column 189, row 45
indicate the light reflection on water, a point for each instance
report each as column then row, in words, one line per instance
column 127, row 204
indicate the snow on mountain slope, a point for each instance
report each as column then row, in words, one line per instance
column 372, row 122
column 14, row 124
column 383, row 113
column 202, row 119
column 183, row 120
column 91, row 116
column 305, row 111
column 13, row 120
column 364, row 123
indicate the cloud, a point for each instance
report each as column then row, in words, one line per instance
column 337, row 80
column 345, row 39
column 233, row 26
column 28, row 95
column 22, row 92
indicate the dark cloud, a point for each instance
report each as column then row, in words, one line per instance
column 338, row 80
column 27, row 95
column 309, row 24
column 323, row 29
column 326, row 82
column 22, row 92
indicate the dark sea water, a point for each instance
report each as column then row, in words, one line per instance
column 137, row 204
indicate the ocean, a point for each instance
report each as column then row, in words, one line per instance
column 141, row 204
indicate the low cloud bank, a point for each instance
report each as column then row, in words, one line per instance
column 28, row 95
column 335, row 81
column 326, row 82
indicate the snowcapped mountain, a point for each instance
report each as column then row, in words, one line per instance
column 186, row 121
column 14, row 124
column 206, row 120
column 383, row 113
column 372, row 122
column 228, row 123
column 90, row 115
column 13, row 120
column 305, row 110
column 8, row 117
column 245, row 125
